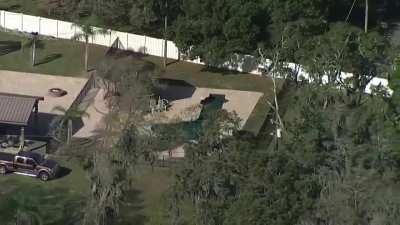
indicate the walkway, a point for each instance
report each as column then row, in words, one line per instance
column 96, row 110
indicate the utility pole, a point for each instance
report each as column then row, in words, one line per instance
column 366, row 16
column 165, row 34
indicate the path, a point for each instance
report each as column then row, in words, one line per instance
column 96, row 110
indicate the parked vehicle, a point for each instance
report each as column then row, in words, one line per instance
column 29, row 164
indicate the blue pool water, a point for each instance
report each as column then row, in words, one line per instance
column 210, row 105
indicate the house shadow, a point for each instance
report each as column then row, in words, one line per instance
column 40, row 125
column 7, row 47
column 173, row 90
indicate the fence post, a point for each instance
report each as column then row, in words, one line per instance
column 145, row 43
column 4, row 20
column 22, row 22
column 40, row 26
column 109, row 45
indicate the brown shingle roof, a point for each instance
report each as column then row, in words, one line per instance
column 16, row 109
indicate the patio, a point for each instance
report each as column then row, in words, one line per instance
column 32, row 84
column 29, row 84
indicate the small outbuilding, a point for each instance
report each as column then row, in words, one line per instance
column 16, row 110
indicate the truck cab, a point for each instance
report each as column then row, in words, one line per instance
column 29, row 164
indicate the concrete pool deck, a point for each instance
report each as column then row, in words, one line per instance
column 38, row 85
column 188, row 109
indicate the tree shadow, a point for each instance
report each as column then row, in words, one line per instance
column 49, row 58
column 173, row 89
column 221, row 71
column 120, row 53
column 7, row 47
column 12, row 7
column 133, row 205
column 63, row 172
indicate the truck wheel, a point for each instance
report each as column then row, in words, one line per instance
column 3, row 170
column 43, row 176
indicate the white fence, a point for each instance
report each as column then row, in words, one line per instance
column 140, row 43
column 66, row 30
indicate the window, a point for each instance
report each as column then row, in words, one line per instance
column 20, row 160
column 30, row 162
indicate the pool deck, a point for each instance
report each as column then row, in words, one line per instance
column 188, row 109
column 38, row 85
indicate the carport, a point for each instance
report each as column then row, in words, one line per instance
column 16, row 110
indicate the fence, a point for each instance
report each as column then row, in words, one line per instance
column 90, row 84
column 66, row 30
column 145, row 45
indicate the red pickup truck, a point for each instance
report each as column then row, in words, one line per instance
column 29, row 164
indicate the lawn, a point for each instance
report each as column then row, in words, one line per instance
column 52, row 200
column 56, row 57
column 65, row 57
column 58, row 201
column 30, row 7
column 201, row 76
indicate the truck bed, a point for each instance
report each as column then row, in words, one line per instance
column 6, row 157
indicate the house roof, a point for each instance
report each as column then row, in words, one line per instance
column 16, row 109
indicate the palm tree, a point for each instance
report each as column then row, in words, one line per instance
column 86, row 31
column 68, row 116
column 32, row 41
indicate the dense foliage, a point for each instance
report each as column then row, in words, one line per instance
column 338, row 159
column 337, row 163
column 214, row 30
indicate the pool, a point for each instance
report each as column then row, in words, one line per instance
column 211, row 105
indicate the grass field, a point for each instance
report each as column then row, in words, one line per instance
column 58, row 57
column 52, row 201
column 59, row 201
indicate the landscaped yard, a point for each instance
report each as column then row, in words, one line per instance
column 201, row 76
column 57, row 57
column 53, row 201
column 65, row 57
column 60, row 200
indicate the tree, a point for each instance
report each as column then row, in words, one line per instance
column 86, row 31
column 68, row 116
column 33, row 42
column 214, row 30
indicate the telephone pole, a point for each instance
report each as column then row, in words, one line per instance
column 165, row 34
column 366, row 16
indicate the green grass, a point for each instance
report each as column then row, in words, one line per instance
column 54, row 200
column 58, row 200
column 30, row 7
column 201, row 76
column 145, row 204
column 57, row 57
column 68, row 61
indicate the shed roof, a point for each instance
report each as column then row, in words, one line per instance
column 16, row 109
